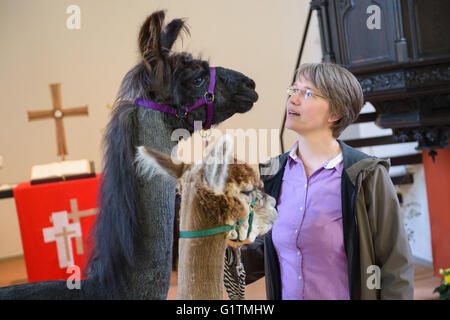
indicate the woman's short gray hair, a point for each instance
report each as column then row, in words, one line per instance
column 340, row 87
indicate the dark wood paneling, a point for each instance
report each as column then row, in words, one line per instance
column 366, row 117
column 375, row 141
column 408, row 159
column 401, row 180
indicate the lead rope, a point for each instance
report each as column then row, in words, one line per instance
column 235, row 287
column 241, row 274
column 206, row 134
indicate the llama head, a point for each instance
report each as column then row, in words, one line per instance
column 218, row 191
column 178, row 80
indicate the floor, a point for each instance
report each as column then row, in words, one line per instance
column 13, row 271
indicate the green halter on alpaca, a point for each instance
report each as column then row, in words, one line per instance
column 225, row 228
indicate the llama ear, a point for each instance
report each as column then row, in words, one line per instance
column 171, row 33
column 217, row 158
column 149, row 160
column 150, row 42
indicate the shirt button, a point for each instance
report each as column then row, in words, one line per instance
column 306, row 185
column 296, row 231
column 298, row 253
column 301, row 208
column 299, row 277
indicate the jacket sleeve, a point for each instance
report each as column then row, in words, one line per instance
column 252, row 257
column 392, row 251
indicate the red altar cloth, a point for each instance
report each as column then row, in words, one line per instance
column 55, row 220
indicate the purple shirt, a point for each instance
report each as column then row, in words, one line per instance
column 308, row 236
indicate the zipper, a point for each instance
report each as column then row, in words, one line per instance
column 355, row 194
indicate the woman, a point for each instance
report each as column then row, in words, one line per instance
column 339, row 233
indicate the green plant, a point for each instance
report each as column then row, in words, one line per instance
column 444, row 288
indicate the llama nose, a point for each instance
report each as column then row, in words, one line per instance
column 249, row 83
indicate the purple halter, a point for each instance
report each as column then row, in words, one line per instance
column 208, row 99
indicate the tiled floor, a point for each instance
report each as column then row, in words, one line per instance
column 13, row 271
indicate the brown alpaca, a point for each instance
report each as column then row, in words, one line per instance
column 215, row 193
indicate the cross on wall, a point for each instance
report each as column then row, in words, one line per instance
column 58, row 113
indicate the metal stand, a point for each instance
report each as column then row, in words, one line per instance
column 325, row 37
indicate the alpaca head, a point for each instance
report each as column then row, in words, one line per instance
column 216, row 192
column 178, row 80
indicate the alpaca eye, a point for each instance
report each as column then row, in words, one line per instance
column 198, row 81
column 247, row 193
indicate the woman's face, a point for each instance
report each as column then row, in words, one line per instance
column 306, row 115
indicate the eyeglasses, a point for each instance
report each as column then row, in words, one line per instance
column 306, row 93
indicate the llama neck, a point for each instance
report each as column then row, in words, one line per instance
column 200, row 268
column 150, row 277
column 153, row 132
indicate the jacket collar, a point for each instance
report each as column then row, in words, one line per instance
column 354, row 162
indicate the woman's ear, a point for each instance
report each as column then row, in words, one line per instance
column 334, row 118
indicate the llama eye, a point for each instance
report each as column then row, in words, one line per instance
column 198, row 81
column 247, row 193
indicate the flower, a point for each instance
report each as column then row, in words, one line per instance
column 444, row 288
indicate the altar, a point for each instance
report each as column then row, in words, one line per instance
column 55, row 220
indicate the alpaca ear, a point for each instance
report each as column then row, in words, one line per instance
column 171, row 33
column 150, row 42
column 216, row 160
column 147, row 158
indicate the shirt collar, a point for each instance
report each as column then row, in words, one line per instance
column 334, row 162
column 293, row 152
column 328, row 165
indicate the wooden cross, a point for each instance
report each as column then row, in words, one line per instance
column 58, row 113
column 66, row 236
column 75, row 215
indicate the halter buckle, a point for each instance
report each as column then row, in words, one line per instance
column 179, row 112
column 209, row 97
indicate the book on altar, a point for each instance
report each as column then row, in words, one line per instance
column 62, row 171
